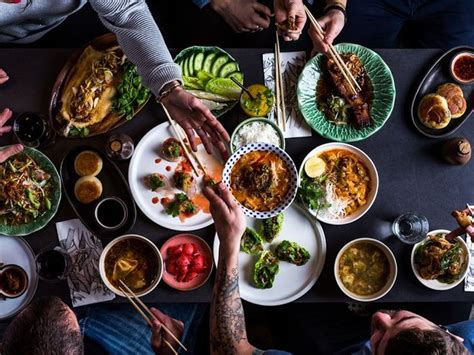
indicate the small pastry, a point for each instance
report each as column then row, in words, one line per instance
column 433, row 111
column 88, row 163
column 455, row 98
column 87, row 189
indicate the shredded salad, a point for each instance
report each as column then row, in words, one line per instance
column 25, row 190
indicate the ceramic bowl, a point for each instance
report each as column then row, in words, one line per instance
column 233, row 145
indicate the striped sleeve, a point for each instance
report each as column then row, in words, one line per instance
column 140, row 39
column 201, row 3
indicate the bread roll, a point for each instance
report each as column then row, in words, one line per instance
column 433, row 111
column 87, row 189
column 455, row 98
column 88, row 163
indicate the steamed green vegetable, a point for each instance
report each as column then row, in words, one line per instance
column 292, row 253
column 265, row 270
column 251, row 242
column 272, row 227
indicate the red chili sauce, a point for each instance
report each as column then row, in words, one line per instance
column 155, row 200
column 464, row 68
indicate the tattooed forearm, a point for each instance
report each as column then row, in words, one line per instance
column 227, row 314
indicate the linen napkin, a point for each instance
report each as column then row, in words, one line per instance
column 291, row 67
column 85, row 285
column 469, row 280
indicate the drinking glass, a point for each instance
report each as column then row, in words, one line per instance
column 53, row 264
column 410, row 227
column 33, row 130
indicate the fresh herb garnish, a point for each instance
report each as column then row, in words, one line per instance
column 156, row 182
column 312, row 192
column 181, row 203
column 79, row 132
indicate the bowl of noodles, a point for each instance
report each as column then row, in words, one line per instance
column 263, row 179
column 133, row 259
column 338, row 183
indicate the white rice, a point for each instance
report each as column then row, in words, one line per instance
column 256, row 132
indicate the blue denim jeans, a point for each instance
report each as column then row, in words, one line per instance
column 120, row 330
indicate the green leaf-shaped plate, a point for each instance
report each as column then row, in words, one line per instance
column 28, row 228
column 382, row 104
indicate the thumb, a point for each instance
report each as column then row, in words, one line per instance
column 330, row 33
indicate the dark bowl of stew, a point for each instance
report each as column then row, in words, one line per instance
column 13, row 281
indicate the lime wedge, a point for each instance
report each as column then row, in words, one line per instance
column 314, row 167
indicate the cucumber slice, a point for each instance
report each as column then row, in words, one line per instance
column 198, row 61
column 184, row 67
column 191, row 65
column 208, row 61
column 228, row 68
column 237, row 75
column 218, row 64
column 224, row 87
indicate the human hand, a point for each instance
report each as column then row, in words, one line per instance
column 244, row 15
column 159, row 336
column 228, row 217
column 332, row 24
column 193, row 116
column 285, row 9
column 3, row 76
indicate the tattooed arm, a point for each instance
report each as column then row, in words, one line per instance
column 228, row 333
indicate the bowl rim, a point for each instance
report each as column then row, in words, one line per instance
column 388, row 285
column 263, row 147
column 435, row 286
column 451, row 67
column 208, row 249
column 256, row 119
column 371, row 167
column 24, row 274
column 106, row 249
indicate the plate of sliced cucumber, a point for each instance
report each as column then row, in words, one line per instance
column 207, row 74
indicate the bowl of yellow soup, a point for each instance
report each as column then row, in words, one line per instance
column 365, row 269
column 262, row 102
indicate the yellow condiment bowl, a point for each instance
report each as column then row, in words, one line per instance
column 262, row 103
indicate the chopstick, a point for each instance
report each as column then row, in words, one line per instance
column 177, row 132
column 335, row 55
column 132, row 301
column 277, row 90
column 279, row 82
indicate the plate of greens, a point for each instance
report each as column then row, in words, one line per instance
column 30, row 192
column 98, row 89
column 277, row 265
column 207, row 73
column 324, row 101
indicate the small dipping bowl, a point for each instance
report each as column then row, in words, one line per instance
column 234, row 146
column 262, row 103
column 13, row 281
column 462, row 67
column 111, row 213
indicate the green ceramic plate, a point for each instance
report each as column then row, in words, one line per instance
column 382, row 105
column 41, row 221
column 186, row 59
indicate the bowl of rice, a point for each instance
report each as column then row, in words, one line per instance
column 257, row 130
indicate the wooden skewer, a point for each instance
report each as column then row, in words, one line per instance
column 335, row 55
column 139, row 301
column 277, row 89
column 176, row 132
column 280, row 82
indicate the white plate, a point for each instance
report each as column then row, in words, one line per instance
column 435, row 284
column 369, row 164
column 143, row 164
column 14, row 250
column 292, row 281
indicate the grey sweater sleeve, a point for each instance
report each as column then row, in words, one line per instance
column 140, row 39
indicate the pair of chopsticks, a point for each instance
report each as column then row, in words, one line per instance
column 153, row 317
column 280, row 109
column 335, row 55
column 188, row 152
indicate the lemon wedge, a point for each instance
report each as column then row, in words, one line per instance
column 314, row 167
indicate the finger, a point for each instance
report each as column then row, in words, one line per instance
column 159, row 315
column 226, row 195
column 3, row 73
column 216, row 139
column 5, row 115
column 156, row 338
column 3, row 79
column 331, row 33
column 300, row 21
column 191, row 136
column 319, row 45
column 287, row 39
column 260, row 22
column 217, row 203
column 219, row 128
column 205, row 140
column 10, row 151
column 5, row 129
column 263, row 10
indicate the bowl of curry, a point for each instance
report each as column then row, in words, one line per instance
column 263, row 179
column 365, row 269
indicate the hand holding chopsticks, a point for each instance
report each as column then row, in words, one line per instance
column 154, row 318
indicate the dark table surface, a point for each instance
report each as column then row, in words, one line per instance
column 413, row 177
